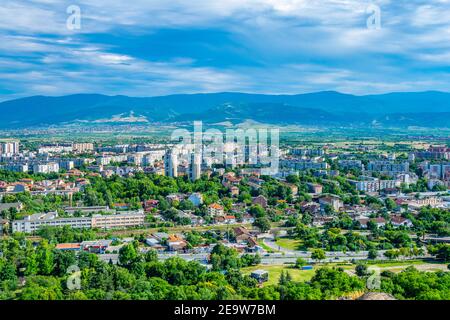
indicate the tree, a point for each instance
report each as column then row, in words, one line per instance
column 224, row 258
column 7, row 271
column 151, row 255
column 128, row 255
column 441, row 251
column 361, row 270
column 390, row 204
column 300, row 262
column 293, row 178
column 372, row 254
column 31, row 264
column 285, row 278
column 391, row 254
column 318, row 254
column 45, row 258
column 63, row 260
column 262, row 223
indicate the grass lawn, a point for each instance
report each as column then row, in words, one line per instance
column 397, row 263
column 289, row 243
column 266, row 247
column 275, row 272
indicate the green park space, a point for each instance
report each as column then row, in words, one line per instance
column 275, row 272
column 289, row 243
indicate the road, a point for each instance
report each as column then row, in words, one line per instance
column 283, row 256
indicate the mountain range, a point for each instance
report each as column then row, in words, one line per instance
column 425, row 109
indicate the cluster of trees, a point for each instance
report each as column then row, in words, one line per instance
column 331, row 239
column 10, row 176
column 65, row 234
column 141, row 187
column 32, row 204
column 413, row 284
column 334, row 238
column 432, row 220
column 223, row 258
column 38, row 272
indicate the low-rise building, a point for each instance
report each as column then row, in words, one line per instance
column 118, row 221
column 215, row 209
column 260, row 200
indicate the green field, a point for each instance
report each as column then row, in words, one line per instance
column 289, row 243
column 275, row 272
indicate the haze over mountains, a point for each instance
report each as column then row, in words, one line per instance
column 426, row 109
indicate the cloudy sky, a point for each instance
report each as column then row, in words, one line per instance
column 157, row 47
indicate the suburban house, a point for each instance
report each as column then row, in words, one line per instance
column 7, row 206
column 398, row 221
column 314, row 188
column 96, row 246
column 68, row 246
column 150, row 204
column 176, row 243
column 234, row 191
column 261, row 200
column 215, row 209
column 380, row 221
column 363, row 222
column 334, row 201
column 242, row 234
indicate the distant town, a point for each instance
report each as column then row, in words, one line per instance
column 349, row 206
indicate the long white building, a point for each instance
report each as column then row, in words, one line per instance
column 114, row 221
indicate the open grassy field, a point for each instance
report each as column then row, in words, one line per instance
column 306, row 275
column 275, row 272
column 288, row 243
column 266, row 247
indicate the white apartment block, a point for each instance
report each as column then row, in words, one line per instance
column 304, row 164
column 32, row 223
column 388, row 166
column 9, row 148
column 46, row 167
column 118, row 221
column 15, row 167
column 82, row 147
column 56, row 148
column 374, row 185
column 105, row 160
column 351, row 164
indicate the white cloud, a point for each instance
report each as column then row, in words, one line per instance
column 299, row 45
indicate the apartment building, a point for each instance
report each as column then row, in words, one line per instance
column 46, row 167
column 32, row 223
column 118, row 221
column 369, row 184
column 215, row 209
column 389, row 167
column 9, row 148
column 303, row 164
column 82, row 147
column 351, row 164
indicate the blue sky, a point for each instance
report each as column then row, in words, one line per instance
column 158, row 47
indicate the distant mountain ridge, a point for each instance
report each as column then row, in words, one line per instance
column 430, row 108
